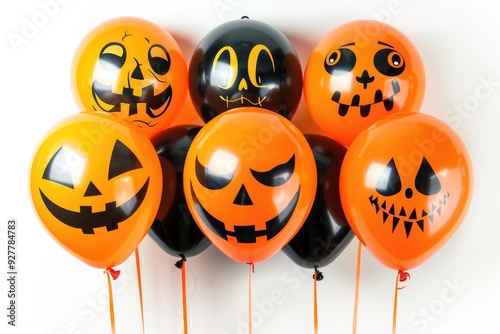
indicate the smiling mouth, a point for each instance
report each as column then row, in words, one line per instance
column 87, row 220
column 243, row 100
column 247, row 233
column 155, row 105
column 414, row 217
column 364, row 109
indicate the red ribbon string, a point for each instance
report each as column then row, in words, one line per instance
column 110, row 273
column 402, row 276
column 184, row 299
column 356, row 290
column 139, row 284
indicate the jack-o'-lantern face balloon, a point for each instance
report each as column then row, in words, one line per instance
column 406, row 184
column 96, row 187
column 133, row 68
column 359, row 73
column 249, row 180
column 245, row 63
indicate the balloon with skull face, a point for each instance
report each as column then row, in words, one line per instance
column 359, row 73
column 250, row 181
column 133, row 68
column 245, row 63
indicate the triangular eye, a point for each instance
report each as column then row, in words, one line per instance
column 211, row 180
column 58, row 170
column 122, row 160
column 426, row 181
column 389, row 182
column 276, row 176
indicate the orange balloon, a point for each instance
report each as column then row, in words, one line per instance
column 133, row 68
column 96, row 183
column 359, row 73
column 405, row 185
column 249, row 181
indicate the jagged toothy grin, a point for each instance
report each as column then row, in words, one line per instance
column 414, row 217
column 364, row 109
column 156, row 105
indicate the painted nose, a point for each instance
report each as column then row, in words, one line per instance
column 365, row 79
column 137, row 73
column 91, row 190
column 243, row 198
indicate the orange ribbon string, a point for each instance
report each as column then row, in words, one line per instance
column 315, row 276
column 139, row 284
column 400, row 277
column 356, row 290
column 111, row 274
column 184, row 299
column 251, row 270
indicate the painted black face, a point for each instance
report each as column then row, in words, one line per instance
column 275, row 177
column 113, row 59
column 388, row 63
column 426, row 183
column 245, row 63
column 122, row 161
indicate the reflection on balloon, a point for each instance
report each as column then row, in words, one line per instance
column 405, row 185
column 325, row 232
column 96, row 184
column 249, row 181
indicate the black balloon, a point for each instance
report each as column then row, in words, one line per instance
column 245, row 63
column 174, row 229
column 326, row 232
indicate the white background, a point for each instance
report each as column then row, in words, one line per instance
column 456, row 291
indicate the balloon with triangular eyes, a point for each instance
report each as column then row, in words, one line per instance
column 406, row 184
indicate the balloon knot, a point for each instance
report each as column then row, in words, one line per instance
column 403, row 276
column 245, row 17
column 114, row 273
column 179, row 263
column 318, row 275
column 252, row 267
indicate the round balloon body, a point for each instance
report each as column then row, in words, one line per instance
column 405, row 185
column 132, row 68
column 95, row 183
column 326, row 232
column 249, row 180
column 174, row 229
column 359, row 73
column 245, row 63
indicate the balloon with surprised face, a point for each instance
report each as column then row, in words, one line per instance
column 250, row 181
column 245, row 63
column 133, row 68
column 359, row 73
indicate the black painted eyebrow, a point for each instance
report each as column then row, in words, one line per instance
column 383, row 43
column 348, row 44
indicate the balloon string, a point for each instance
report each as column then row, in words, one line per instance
column 251, row 270
column 356, row 290
column 184, row 300
column 139, row 284
column 400, row 277
column 111, row 274
column 318, row 276
column 181, row 264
